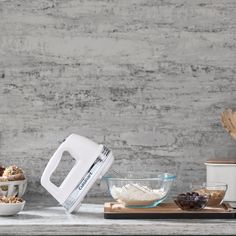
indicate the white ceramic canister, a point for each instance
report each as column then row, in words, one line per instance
column 223, row 171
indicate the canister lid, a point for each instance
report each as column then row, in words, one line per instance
column 216, row 161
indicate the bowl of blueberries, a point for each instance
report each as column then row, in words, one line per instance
column 191, row 201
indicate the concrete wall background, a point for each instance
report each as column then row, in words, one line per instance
column 149, row 78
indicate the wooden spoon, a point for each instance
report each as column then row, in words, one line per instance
column 228, row 119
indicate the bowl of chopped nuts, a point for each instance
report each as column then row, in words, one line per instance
column 11, row 205
column 216, row 192
column 12, row 181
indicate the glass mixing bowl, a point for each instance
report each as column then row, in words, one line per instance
column 141, row 193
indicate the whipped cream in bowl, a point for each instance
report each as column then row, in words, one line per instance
column 135, row 194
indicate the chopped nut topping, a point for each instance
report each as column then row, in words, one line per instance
column 12, row 173
column 11, row 199
column 12, row 170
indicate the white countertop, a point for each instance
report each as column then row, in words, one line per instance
column 90, row 220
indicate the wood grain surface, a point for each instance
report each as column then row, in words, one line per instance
column 167, row 210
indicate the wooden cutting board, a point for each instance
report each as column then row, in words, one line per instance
column 114, row 210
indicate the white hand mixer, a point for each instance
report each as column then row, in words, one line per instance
column 92, row 162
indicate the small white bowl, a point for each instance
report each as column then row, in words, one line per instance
column 10, row 209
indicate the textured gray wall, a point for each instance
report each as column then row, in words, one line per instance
column 149, row 78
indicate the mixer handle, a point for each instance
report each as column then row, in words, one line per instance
column 84, row 151
column 50, row 168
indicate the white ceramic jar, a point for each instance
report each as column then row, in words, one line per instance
column 223, row 171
